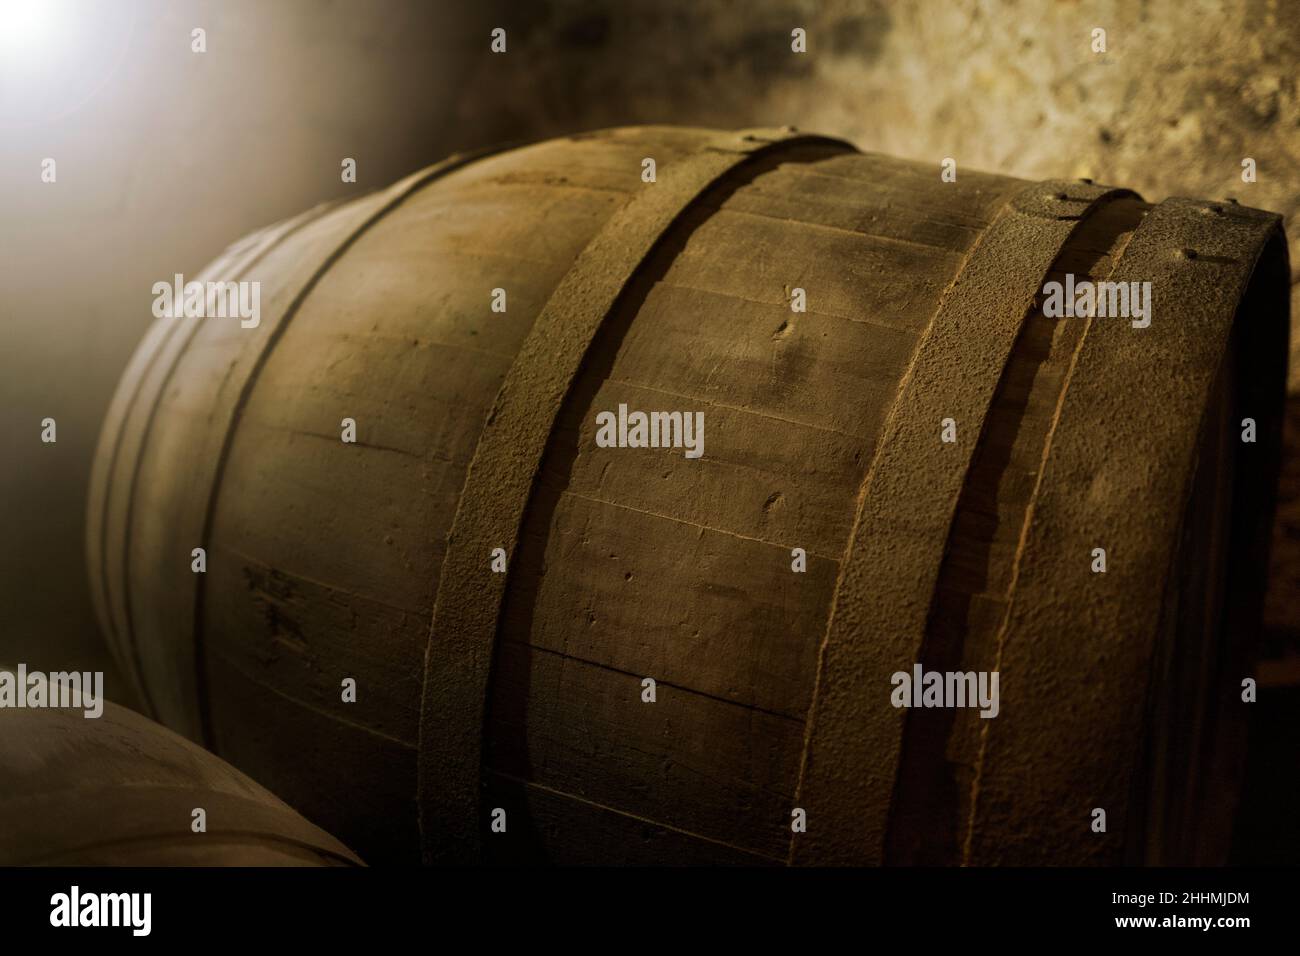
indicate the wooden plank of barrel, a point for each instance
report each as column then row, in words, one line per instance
column 834, row 316
column 119, row 790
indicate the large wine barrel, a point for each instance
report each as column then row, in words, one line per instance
column 947, row 459
column 119, row 790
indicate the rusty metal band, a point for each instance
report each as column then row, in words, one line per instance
column 500, row 479
column 1119, row 476
column 906, row 506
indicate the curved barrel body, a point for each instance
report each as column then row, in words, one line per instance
column 889, row 457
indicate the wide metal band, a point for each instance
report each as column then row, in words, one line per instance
column 1119, row 476
column 501, row 475
column 905, row 511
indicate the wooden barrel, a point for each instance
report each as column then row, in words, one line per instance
column 119, row 790
column 905, row 463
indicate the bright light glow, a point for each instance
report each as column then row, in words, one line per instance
column 27, row 27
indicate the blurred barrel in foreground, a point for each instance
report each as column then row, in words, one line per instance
column 905, row 464
column 119, row 790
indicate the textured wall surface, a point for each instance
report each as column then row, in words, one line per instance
column 1183, row 93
